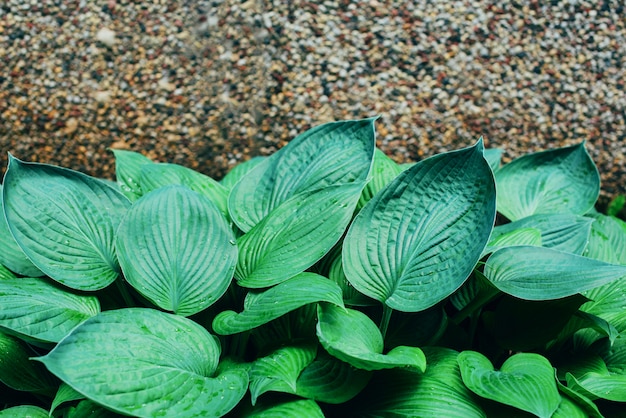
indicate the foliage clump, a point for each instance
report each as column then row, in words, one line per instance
column 324, row 280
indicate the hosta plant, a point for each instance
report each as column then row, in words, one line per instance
column 324, row 280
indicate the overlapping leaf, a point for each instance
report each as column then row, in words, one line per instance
column 295, row 235
column 525, row 381
column 330, row 154
column 24, row 411
column 352, row 337
column 38, row 310
column 536, row 273
column 563, row 180
column 263, row 307
column 17, row 371
column 419, row 238
column 303, row 408
column 177, row 250
column 128, row 172
column 384, row 170
column 65, row 222
column 155, row 362
column 239, row 171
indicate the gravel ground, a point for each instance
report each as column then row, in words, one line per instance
column 207, row 84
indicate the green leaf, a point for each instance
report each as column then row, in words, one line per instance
column 39, row 310
column 616, row 205
column 536, row 273
column 65, row 393
column 611, row 387
column 580, row 400
column 330, row 380
column 11, row 255
column 439, row 391
column 327, row 155
column 384, row 170
column 493, row 157
column 563, row 180
column 154, row 176
column 18, row 372
column 295, row 235
column 128, row 172
column 304, row 408
column 333, row 269
column 24, row 411
column 563, row 231
column 239, row 171
column 525, row 381
column 514, row 238
column 65, row 222
column 607, row 240
column 279, row 370
column 5, row 273
column 89, row 409
column 156, row 363
column 351, row 336
column 420, row 237
column 177, row 250
column 263, row 307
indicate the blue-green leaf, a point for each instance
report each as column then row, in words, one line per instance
column 177, row 249
column 536, row 273
column 420, row 237
column 156, row 364
column 128, row 172
column 351, row 336
column 563, row 180
column 263, row 307
column 327, row 155
column 38, row 310
column 233, row 176
column 525, row 381
column 65, row 222
column 295, row 235
column 384, row 170
column 493, row 157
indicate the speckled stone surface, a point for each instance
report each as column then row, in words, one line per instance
column 207, row 84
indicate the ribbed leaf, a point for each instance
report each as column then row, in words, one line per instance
column 279, row 370
column 605, row 386
column 420, row 237
column 329, row 380
column 536, row 273
column 516, row 237
column 303, row 408
column 5, row 273
column 233, row 176
column 11, row 255
column 351, row 336
column 563, row 180
column 128, row 172
column 89, row 409
column 263, row 307
column 177, row 250
column 18, row 372
column 384, row 170
column 295, row 235
column 525, row 381
column 327, row 155
column 65, row 393
column 438, row 392
column 154, row 176
column 24, row 411
column 607, row 240
column 65, row 222
column 39, row 310
column 563, row 231
column 580, row 400
column 156, row 363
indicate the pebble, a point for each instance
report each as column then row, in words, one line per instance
column 210, row 83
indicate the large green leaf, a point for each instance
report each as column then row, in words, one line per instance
column 525, row 381
column 561, row 231
column 17, row 371
column 24, row 411
column 177, row 250
column 516, row 237
column 605, row 386
column 11, row 255
column 156, row 364
column 438, row 392
column 65, row 222
column 295, row 235
column 607, row 239
column 263, row 307
column 420, row 237
column 233, row 176
column 39, row 310
column 303, row 408
column 279, row 370
column 154, row 176
column 563, row 180
column 384, row 170
column 327, row 155
column 536, row 273
column 351, row 336
column 128, row 172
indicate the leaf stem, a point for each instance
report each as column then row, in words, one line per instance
column 384, row 322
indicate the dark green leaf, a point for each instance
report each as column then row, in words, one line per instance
column 17, row 371
column 304, row 408
column 24, row 411
column 420, row 237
